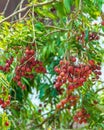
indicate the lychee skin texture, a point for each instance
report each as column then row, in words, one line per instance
column 102, row 23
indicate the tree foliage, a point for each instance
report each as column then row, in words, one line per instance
column 55, row 50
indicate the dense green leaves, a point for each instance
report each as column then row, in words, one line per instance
column 55, row 31
column 67, row 4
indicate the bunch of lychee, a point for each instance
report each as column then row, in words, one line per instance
column 74, row 75
column 91, row 36
column 71, row 75
column 5, row 103
column 81, row 116
column 72, row 100
column 27, row 67
column 6, row 67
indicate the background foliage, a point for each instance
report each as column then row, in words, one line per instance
column 53, row 27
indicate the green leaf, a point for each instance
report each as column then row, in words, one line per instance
column 100, row 107
column 43, row 89
column 0, row 121
column 60, row 10
column 3, row 80
column 77, row 3
column 103, row 28
column 67, row 5
column 44, row 12
column 26, row 81
column 86, row 34
column 39, row 26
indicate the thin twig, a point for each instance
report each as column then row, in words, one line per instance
column 6, row 6
column 22, row 18
column 54, row 27
column 53, row 32
column 25, row 14
column 32, row 121
column 45, row 120
column 21, row 3
column 26, row 61
column 99, row 90
column 17, row 7
column 101, row 34
column 25, row 8
column 51, row 117
column 33, row 25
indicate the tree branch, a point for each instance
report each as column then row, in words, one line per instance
column 21, row 3
column 45, row 120
column 99, row 90
column 101, row 34
column 54, row 27
column 25, row 8
column 51, row 117
column 53, row 32
column 6, row 6
column 40, row 125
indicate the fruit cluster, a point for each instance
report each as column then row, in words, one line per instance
column 6, row 103
column 6, row 123
column 28, row 64
column 102, row 23
column 6, row 68
column 81, row 116
column 91, row 36
column 74, row 75
column 72, row 100
column 96, row 69
column 41, row 107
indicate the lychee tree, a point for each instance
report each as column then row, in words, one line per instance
column 54, row 51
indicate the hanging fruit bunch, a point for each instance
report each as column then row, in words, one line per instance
column 28, row 65
column 72, row 74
